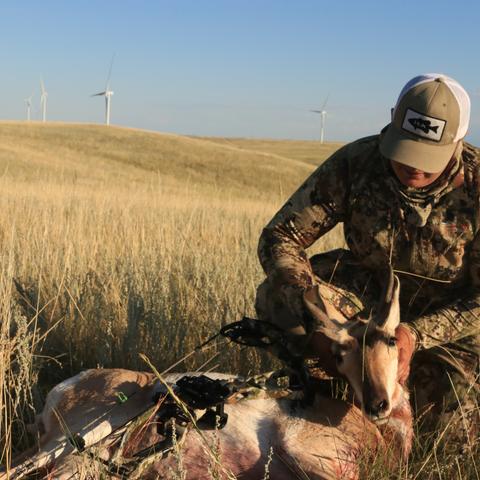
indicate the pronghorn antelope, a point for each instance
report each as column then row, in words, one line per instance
column 85, row 418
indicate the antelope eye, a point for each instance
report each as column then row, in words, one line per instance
column 392, row 342
column 338, row 358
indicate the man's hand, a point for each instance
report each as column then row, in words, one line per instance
column 323, row 348
column 405, row 344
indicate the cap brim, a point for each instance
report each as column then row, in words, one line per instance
column 419, row 154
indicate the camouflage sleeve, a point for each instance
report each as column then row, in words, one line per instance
column 314, row 209
column 461, row 317
column 449, row 324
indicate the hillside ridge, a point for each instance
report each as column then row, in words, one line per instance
column 92, row 152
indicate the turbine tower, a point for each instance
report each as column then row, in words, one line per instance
column 323, row 112
column 107, row 94
column 44, row 99
column 28, row 106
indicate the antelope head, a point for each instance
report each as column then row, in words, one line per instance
column 366, row 352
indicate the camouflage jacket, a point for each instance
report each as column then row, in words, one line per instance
column 354, row 186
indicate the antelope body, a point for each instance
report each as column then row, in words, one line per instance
column 324, row 440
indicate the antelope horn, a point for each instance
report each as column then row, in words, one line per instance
column 387, row 293
column 389, row 299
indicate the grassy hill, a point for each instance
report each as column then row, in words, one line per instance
column 95, row 219
column 313, row 153
column 99, row 154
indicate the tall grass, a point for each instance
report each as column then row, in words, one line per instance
column 93, row 277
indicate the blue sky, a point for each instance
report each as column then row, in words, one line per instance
column 249, row 68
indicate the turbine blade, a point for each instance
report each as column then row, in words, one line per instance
column 41, row 81
column 316, row 111
column 98, row 94
column 110, row 73
column 323, row 108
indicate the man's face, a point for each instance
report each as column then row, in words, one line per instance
column 412, row 177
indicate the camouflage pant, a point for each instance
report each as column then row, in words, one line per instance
column 443, row 380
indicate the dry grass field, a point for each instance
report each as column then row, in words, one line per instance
column 116, row 242
column 310, row 152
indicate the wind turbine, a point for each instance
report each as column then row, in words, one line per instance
column 28, row 106
column 323, row 112
column 44, row 99
column 107, row 94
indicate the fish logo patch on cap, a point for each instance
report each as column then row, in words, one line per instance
column 423, row 125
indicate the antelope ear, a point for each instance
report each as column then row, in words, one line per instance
column 325, row 324
column 388, row 317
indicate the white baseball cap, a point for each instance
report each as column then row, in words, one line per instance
column 430, row 118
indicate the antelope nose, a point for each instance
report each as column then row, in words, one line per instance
column 377, row 408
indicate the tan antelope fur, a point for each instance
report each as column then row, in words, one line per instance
column 324, row 440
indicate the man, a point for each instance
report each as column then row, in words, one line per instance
column 409, row 197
